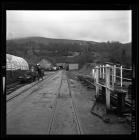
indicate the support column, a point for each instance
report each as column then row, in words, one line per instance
column 112, row 77
column 114, row 73
column 107, row 87
column 103, row 72
column 3, row 84
column 100, row 72
column 121, row 75
column 93, row 73
column 97, row 80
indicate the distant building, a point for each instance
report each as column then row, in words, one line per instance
column 61, row 64
column 73, row 66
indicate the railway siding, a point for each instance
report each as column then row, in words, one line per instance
column 23, row 88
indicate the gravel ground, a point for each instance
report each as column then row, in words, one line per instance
column 33, row 114
column 91, row 124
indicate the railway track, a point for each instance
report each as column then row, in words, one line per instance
column 75, row 110
column 56, row 104
column 54, row 111
column 16, row 95
column 13, row 87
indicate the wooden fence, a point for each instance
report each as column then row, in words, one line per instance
column 108, row 74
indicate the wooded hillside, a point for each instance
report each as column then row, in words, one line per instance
column 34, row 49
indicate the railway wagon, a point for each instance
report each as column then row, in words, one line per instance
column 15, row 67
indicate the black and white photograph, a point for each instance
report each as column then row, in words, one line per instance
column 69, row 72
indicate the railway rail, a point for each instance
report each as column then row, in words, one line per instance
column 13, row 87
column 16, row 95
column 74, row 109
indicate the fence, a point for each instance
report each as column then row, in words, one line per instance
column 108, row 74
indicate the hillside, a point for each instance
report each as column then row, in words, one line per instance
column 34, row 49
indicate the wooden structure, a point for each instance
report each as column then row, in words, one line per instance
column 107, row 73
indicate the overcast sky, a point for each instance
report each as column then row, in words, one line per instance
column 88, row 25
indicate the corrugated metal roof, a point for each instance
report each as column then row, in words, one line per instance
column 15, row 62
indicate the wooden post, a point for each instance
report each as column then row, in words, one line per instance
column 3, row 84
column 97, row 80
column 93, row 72
column 100, row 71
column 114, row 73
column 108, row 86
column 121, row 76
column 103, row 73
column 112, row 77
